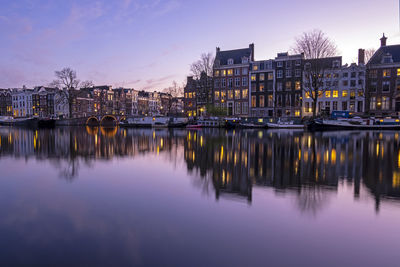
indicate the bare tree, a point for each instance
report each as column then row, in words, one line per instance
column 86, row 84
column 315, row 46
column 205, row 63
column 369, row 53
column 66, row 79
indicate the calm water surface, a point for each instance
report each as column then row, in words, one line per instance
column 116, row 197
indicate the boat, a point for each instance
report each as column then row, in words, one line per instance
column 232, row 123
column 145, row 122
column 211, row 123
column 46, row 123
column 285, row 125
column 24, row 122
column 355, row 124
column 177, row 122
column 194, row 126
column 252, row 123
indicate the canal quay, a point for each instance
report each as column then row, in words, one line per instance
column 94, row 196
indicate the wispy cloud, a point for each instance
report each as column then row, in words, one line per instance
column 168, row 7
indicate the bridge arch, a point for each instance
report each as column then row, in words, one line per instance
column 92, row 121
column 109, row 121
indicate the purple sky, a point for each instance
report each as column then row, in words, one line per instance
column 146, row 44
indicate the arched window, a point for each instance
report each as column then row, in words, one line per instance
column 230, row 61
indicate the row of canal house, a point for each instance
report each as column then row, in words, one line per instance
column 245, row 87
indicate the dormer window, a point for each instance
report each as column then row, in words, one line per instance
column 245, row 60
column 387, row 58
column 335, row 64
column 230, row 61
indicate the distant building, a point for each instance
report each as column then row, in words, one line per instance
column 5, row 102
column 198, row 94
column 288, row 85
column 383, row 81
column 231, row 80
column 262, row 77
column 22, row 102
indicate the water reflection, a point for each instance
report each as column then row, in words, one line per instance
column 230, row 164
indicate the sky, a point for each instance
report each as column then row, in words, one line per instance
column 147, row 44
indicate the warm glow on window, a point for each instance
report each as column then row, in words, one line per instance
column 344, row 93
column 230, row 72
column 386, row 73
column 223, row 72
column 328, row 94
column 217, row 73
column 255, row 67
column 253, row 77
column 335, row 93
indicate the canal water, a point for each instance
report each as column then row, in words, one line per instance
column 144, row 197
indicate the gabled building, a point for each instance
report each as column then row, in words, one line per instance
column 198, row 94
column 383, row 81
column 231, row 80
column 5, row 102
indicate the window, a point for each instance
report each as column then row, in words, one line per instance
column 237, row 108
column 373, row 86
column 270, row 101
column 245, row 108
column 253, row 101
column 344, row 105
column 245, row 60
column 253, row 77
column 307, row 107
column 237, row 72
column 307, row 94
column 261, row 101
column 255, row 67
column 279, row 74
column 346, row 83
column 216, row 95
column 270, row 76
column 230, row 61
column 335, row 93
column 344, row 93
column 216, row 83
column 345, row 74
column 216, row 73
column 353, row 75
column 244, row 71
column 386, row 73
column 288, row 86
column 398, row 85
column 279, row 64
column 373, row 74
column 298, row 62
column 298, row 72
column 372, row 104
column 237, row 94
column 288, row 64
column 360, row 93
column 385, row 103
column 288, row 73
column 386, row 86
column 237, row 81
column 230, row 72
column 223, row 94
column 223, row 83
column 223, row 72
column 352, row 83
column 328, row 94
column 261, row 87
column 279, row 86
column 245, row 93
column 230, row 94
column 398, row 72
column 352, row 94
column 262, row 77
column 244, row 81
column 334, row 105
column 230, row 83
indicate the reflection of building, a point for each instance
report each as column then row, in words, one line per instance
column 198, row 95
column 383, row 82
column 231, row 80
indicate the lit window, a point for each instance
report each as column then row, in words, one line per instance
column 328, row 94
column 298, row 85
column 230, row 94
column 255, row 67
column 223, row 72
column 307, row 94
column 344, row 93
column 398, row 72
column 253, row 101
column 245, row 93
column 230, row 72
column 386, row 73
column 261, row 87
column 237, row 94
column 217, row 73
column 335, row 93
column 270, row 76
column 253, row 77
column 262, row 77
column 261, row 101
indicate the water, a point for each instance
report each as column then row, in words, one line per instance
column 115, row 197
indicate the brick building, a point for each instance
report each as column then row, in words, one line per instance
column 262, row 77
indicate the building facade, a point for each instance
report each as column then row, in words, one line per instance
column 198, row 95
column 383, row 81
column 288, row 85
column 262, row 78
column 232, row 80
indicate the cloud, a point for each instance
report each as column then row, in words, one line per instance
column 156, row 83
column 167, row 8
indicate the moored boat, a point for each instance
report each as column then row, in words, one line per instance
column 355, row 124
column 177, row 122
column 285, row 125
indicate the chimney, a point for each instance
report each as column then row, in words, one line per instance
column 361, row 56
column 251, row 46
column 383, row 40
column 218, row 49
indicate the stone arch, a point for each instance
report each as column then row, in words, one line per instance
column 109, row 121
column 92, row 121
